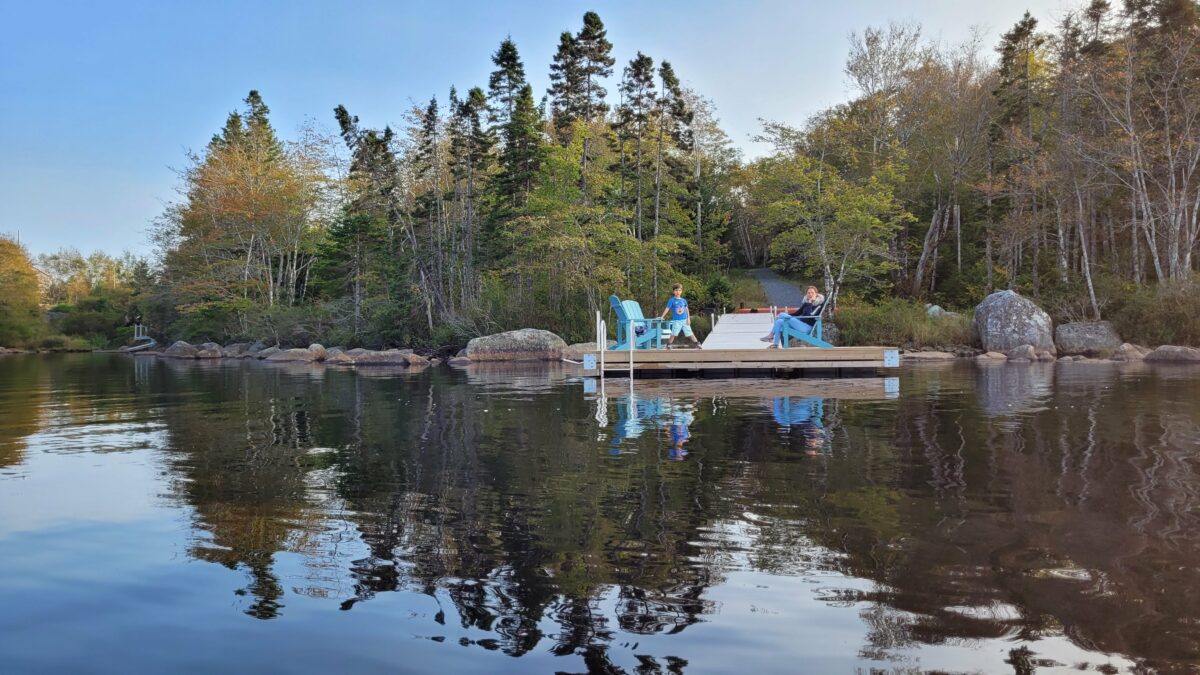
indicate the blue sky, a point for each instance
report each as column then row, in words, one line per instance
column 99, row 101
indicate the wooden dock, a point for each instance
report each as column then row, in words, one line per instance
column 734, row 349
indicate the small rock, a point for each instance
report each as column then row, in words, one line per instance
column 339, row 359
column 391, row 357
column 1045, row 356
column 266, row 353
column 1173, row 353
column 234, row 349
column 293, row 355
column 929, row 356
column 334, row 351
column 997, row 356
column 318, row 352
column 459, row 361
column 1022, row 353
column 1130, row 352
column 255, row 348
column 435, row 362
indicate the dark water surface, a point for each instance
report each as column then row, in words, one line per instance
column 237, row 517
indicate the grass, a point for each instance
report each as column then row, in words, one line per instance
column 901, row 323
column 746, row 290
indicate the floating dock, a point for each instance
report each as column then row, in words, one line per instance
column 734, row 349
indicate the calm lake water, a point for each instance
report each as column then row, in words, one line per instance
column 160, row 516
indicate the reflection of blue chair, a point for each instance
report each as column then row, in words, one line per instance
column 813, row 337
column 633, row 414
column 634, row 330
column 790, row 411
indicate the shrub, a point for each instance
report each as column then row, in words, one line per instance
column 718, row 291
column 1166, row 314
column 900, row 323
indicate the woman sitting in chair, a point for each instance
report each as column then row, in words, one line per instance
column 800, row 321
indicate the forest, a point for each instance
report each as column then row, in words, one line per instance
column 1062, row 162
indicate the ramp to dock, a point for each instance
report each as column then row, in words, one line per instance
column 740, row 331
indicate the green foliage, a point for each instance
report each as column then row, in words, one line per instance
column 20, row 315
column 718, row 291
column 1168, row 314
column 901, row 323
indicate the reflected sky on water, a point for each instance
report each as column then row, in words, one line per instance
column 189, row 517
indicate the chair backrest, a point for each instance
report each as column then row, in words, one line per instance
column 618, row 307
column 633, row 309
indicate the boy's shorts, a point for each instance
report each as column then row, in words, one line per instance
column 677, row 327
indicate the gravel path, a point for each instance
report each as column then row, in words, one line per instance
column 779, row 291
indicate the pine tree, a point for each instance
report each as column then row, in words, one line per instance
column 566, row 84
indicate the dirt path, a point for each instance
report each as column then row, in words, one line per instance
column 779, row 291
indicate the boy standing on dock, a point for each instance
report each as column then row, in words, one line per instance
column 680, row 316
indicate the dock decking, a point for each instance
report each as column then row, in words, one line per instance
column 734, row 346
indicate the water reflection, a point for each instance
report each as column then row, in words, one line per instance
column 989, row 519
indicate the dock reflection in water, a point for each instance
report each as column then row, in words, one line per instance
column 161, row 516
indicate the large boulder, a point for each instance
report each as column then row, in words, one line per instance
column 1087, row 338
column 209, row 350
column 293, row 355
column 180, row 350
column 526, row 344
column 1007, row 320
column 318, row 351
column 1172, row 353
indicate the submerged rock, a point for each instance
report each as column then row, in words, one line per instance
column 1007, row 320
column 1089, row 338
column 526, row 344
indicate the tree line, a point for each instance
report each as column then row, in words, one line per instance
column 1065, row 167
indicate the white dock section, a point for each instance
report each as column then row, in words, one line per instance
column 740, row 331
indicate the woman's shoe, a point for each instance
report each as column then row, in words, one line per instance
column 767, row 339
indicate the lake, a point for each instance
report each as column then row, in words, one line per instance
column 167, row 516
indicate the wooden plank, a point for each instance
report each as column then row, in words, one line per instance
column 797, row 354
column 743, row 365
column 866, row 388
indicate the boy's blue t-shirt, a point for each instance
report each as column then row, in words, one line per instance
column 678, row 307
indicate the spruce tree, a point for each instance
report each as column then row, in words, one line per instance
column 566, row 84
column 505, row 83
column 633, row 116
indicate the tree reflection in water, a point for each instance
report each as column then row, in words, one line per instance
column 1008, row 502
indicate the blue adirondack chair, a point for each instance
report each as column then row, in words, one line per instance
column 813, row 338
column 629, row 319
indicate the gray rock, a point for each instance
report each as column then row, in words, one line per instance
column 318, row 352
column 255, row 348
column 934, row 310
column 459, row 361
column 267, row 353
column 1045, row 356
column 391, row 357
column 209, row 350
column 994, row 356
column 1174, row 354
column 334, row 351
column 293, row 355
column 417, row 361
column 929, row 356
column 1089, row 338
column 180, row 350
column 338, row 359
column 1023, row 353
column 1007, row 320
column 576, row 351
column 435, row 362
column 234, row 350
column 526, row 344
column 1130, row 352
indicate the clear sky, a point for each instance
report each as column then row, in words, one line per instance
column 99, row 101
